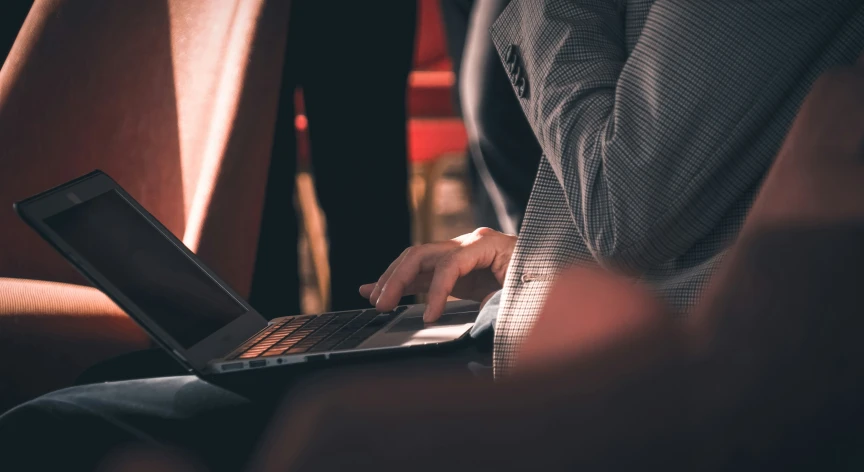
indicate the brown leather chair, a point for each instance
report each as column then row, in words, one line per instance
column 174, row 99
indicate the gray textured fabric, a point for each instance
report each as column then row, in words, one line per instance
column 658, row 120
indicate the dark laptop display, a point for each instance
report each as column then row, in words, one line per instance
column 199, row 320
column 146, row 267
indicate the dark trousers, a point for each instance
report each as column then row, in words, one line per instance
column 85, row 425
column 352, row 61
column 504, row 152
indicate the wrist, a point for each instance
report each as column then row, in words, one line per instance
column 486, row 299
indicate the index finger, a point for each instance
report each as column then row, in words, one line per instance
column 406, row 273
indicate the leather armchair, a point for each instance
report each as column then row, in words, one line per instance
column 174, row 99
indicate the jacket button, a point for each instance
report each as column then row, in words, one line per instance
column 521, row 88
column 513, row 68
column 515, row 74
column 510, row 54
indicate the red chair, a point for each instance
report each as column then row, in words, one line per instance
column 436, row 134
column 177, row 101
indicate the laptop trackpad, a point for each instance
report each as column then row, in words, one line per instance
column 411, row 330
column 415, row 323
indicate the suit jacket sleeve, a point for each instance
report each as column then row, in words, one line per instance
column 646, row 137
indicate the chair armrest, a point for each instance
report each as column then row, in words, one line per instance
column 50, row 332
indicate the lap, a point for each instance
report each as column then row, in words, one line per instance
column 78, row 426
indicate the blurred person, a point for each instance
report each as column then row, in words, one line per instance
column 657, row 129
column 767, row 379
column 352, row 61
column 764, row 375
column 503, row 152
column 657, row 134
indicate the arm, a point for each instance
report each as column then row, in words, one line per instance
column 654, row 147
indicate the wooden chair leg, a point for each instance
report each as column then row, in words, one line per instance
column 434, row 175
column 427, row 205
column 418, row 194
column 313, row 226
column 425, row 178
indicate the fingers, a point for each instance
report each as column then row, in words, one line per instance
column 405, row 275
column 366, row 290
column 405, row 278
column 448, row 270
column 420, row 285
column 437, row 267
column 376, row 289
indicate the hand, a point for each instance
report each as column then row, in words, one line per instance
column 470, row 267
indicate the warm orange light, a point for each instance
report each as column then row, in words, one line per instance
column 208, row 82
column 431, row 79
column 301, row 123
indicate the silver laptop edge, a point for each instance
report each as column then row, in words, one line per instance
column 208, row 356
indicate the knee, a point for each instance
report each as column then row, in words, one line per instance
column 76, row 438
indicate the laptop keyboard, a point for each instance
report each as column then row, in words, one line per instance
column 327, row 332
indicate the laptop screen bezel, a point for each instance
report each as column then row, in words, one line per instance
column 35, row 210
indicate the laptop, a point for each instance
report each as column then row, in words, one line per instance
column 189, row 311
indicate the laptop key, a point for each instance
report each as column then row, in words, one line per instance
column 327, row 332
column 308, row 332
column 354, row 340
column 350, row 328
column 251, row 343
column 295, row 346
column 317, row 337
column 287, row 329
column 376, row 322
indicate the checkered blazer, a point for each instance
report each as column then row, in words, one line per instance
column 658, row 120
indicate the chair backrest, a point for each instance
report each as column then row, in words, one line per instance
column 430, row 48
column 174, row 99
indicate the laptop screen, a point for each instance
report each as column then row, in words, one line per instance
column 116, row 240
